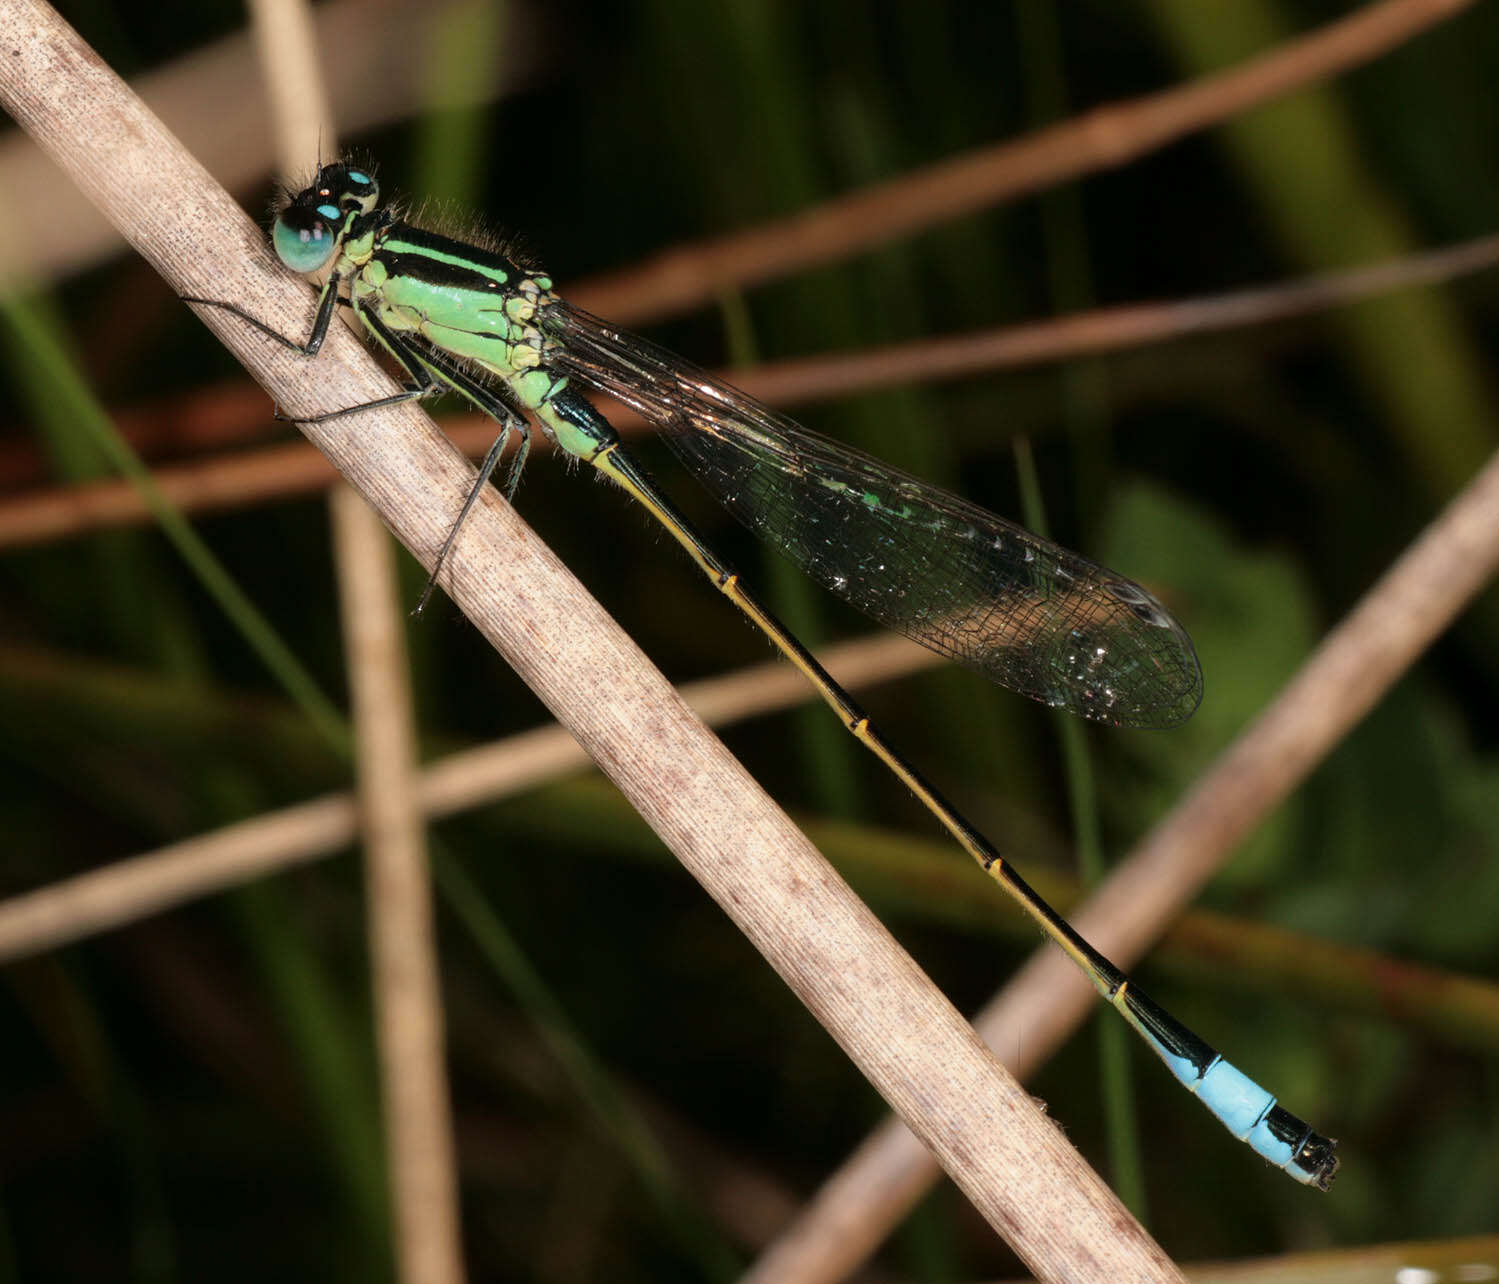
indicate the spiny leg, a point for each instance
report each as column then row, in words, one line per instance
column 427, row 378
column 423, row 384
column 486, row 470
column 518, row 464
column 327, row 300
column 428, row 364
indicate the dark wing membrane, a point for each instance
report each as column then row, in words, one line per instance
column 966, row 583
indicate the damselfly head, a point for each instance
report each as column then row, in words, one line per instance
column 306, row 231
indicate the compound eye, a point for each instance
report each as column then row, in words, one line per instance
column 304, row 238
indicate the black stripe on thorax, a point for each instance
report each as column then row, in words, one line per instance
column 444, row 262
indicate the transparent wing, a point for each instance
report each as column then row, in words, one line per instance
column 966, row 583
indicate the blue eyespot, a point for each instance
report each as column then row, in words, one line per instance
column 302, row 240
column 329, row 212
column 358, row 177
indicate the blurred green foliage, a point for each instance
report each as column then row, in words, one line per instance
column 193, row 1097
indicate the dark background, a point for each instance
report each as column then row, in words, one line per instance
column 193, row 1097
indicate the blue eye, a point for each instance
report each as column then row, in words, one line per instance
column 329, row 212
column 359, row 178
column 303, row 240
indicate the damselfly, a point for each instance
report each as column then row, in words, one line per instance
column 485, row 323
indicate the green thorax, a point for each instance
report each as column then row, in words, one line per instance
column 477, row 304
